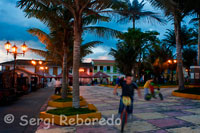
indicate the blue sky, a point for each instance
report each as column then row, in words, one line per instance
column 14, row 26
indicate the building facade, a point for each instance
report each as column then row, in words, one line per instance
column 108, row 67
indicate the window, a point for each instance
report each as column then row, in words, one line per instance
column 95, row 69
column 7, row 68
column 108, row 69
column 114, row 69
column 91, row 70
column 101, row 68
column 55, row 70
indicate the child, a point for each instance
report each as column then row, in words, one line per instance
column 147, row 87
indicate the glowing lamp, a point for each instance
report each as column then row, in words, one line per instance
column 40, row 62
column 41, row 68
column 46, row 68
column 81, row 70
column 7, row 46
column 33, row 62
column 169, row 61
column 14, row 49
column 175, row 61
column 24, row 48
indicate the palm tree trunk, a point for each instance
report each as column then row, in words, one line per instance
column 199, row 42
column 177, row 27
column 133, row 23
column 64, row 74
column 76, row 65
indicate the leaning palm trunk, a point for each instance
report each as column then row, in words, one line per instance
column 199, row 42
column 76, row 65
column 177, row 27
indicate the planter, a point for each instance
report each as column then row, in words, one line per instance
column 71, row 120
column 66, row 104
column 54, row 97
column 184, row 95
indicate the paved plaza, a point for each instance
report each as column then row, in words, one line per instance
column 173, row 115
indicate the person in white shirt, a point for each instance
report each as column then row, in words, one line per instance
column 58, row 86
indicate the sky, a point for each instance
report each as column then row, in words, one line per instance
column 14, row 26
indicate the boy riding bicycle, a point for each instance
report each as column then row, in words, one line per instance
column 128, row 87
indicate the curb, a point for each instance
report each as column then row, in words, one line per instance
column 184, row 95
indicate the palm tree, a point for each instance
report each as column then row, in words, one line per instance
column 133, row 11
column 188, row 37
column 174, row 10
column 129, row 50
column 84, row 12
column 54, row 53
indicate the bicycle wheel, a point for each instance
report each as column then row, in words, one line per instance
column 148, row 97
column 161, row 97
column 124, row 119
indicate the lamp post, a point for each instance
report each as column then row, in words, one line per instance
column 14, row 49
column 172, row 63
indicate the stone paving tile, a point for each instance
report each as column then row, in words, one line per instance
column 177, row 113
column 148, row 116
column 109, row 113
column 196, row 110
column 195, row 119
column 167, row 122
column 138, row 126
column 185, row 130
column 155, row 131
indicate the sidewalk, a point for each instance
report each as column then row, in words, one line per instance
column 176, row 115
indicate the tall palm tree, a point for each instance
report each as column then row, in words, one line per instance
column 133, row 11
column 84, row 12
column 174, row 10
column 58, row 20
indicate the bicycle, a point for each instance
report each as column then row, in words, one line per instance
column 124, row 115
column 157, row 92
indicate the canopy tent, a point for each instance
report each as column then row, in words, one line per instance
column 60, row 76
column 46, row 75
column 100, row 75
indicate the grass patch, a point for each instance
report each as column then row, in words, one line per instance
column 70, row 111
column 195, row 91
column 68, row 99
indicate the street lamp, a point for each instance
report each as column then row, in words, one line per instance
column 172, row 62
column 14, row 49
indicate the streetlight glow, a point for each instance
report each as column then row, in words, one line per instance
column 24, row 48
column 40, row 62
column 33, row 62
column 7, row 46
column 14, row 49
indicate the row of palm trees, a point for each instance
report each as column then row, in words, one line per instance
column 71, row 18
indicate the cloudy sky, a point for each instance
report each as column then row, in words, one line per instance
column 14, row 26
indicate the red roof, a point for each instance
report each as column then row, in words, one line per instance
column 104, row 61
column 100, row 75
